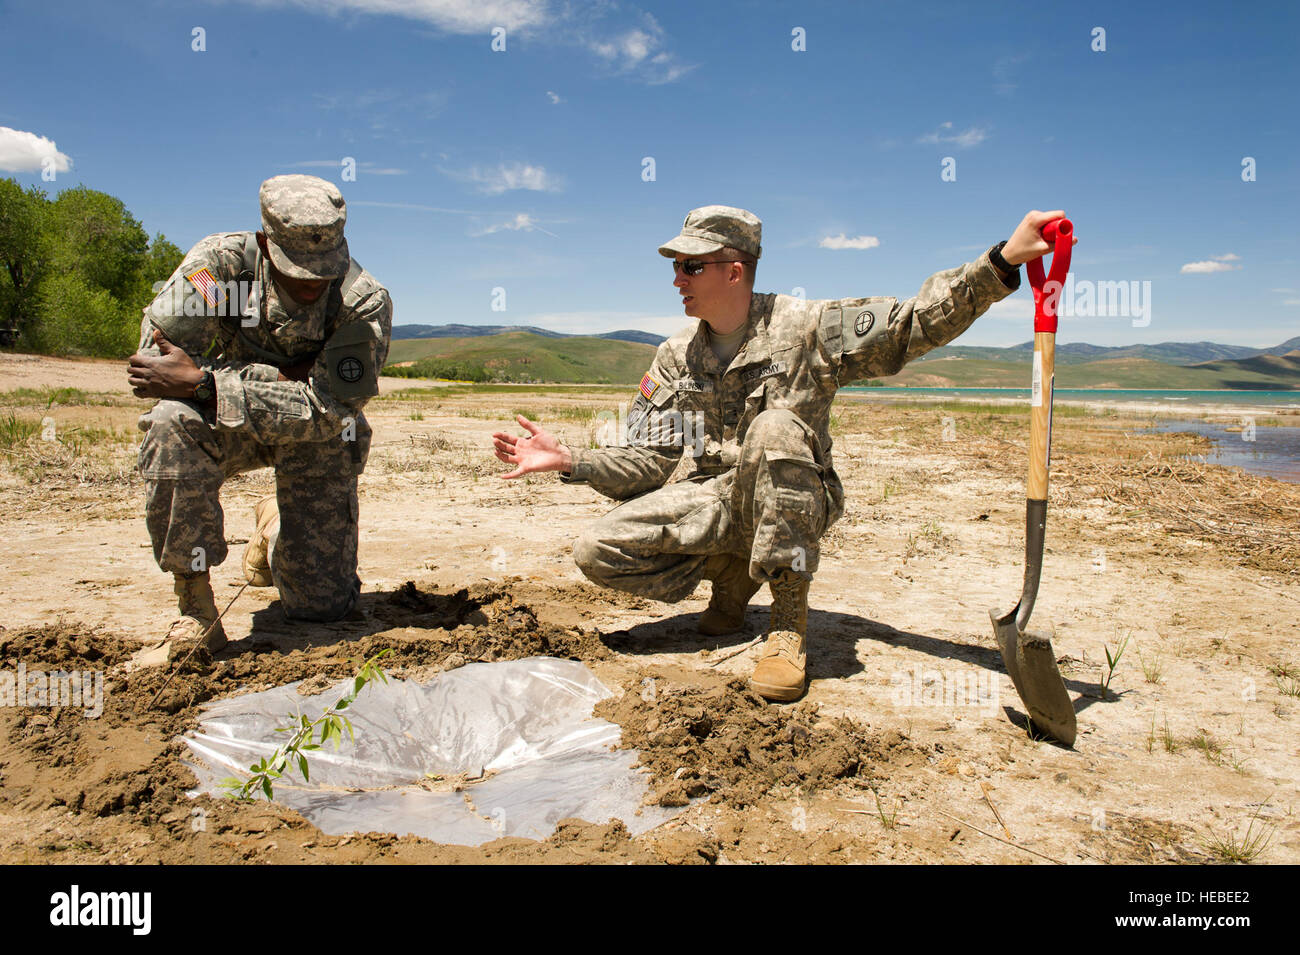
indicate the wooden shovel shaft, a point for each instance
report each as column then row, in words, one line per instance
column 1040, row 426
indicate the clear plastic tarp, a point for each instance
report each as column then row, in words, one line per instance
column 523, row 726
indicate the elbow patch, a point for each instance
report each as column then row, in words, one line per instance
column 350, row 361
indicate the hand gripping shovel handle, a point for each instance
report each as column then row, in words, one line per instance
column 1029, row 658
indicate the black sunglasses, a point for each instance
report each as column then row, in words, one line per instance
column 695, row 266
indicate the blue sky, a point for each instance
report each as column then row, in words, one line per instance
column 523, row 169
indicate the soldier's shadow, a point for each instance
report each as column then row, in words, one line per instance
column 376, row 612
column 833, row 639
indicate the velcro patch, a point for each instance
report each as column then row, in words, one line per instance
column 694, row 384
column 766, row 371
column 649, row 386
column 207, row 286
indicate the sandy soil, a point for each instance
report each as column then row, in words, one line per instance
column 910, row 745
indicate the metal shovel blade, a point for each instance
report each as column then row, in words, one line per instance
column 1028, row 656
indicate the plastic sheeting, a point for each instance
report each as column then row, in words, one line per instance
column 526, row 722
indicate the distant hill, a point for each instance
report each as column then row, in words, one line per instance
column 474, row 331
column 1068, row 353
column 522, row 356
column 1258, row 373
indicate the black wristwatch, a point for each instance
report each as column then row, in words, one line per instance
column 995, row 256
column 206, row 388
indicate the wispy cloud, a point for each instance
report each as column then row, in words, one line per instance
column 842, row 241
column 522, row 222
column 1217, row 263
column 507, row 176
column 944, row 134
column 451, row 16
column 1017, row 308
column 554, row 98
column 623, row 37
column 22, row 151
column 1004, row 68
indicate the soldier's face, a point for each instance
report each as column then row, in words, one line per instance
column 303, row 291
column 704, row 294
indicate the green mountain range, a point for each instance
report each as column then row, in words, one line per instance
column 522, row 354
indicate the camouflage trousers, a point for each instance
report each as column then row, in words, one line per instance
column 184, row 461
column 773, row 508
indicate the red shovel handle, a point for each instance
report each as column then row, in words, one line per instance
column 1047, row 288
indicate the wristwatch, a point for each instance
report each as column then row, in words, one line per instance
column 206, row 388
column 995, row 256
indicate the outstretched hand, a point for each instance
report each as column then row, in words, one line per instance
column 171, row 374
column 539, row 450
column 1027, row 242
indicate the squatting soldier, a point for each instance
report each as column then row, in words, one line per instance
column 263, row 348
column 748, row 389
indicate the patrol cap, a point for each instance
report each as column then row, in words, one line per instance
column 711, row 228
column 303, row 218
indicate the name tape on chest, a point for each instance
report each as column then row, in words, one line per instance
column 702, row 385
column 766, row 371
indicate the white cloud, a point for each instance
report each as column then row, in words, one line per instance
column 1208, row 266
column 554, row 98
column 453, row 16
column 507, row 176
column 522, row 222
column 1283, row 291
column 944, row 134
column 1016, row 308
column 842, row 241
column 1230, row 257
column 625, row 37
column 26, row 152
column 1291, row 301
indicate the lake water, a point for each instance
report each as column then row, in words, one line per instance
column 1274, row 451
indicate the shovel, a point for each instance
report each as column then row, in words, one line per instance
column 1028, row 656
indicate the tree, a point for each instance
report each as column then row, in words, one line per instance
column 22, row 256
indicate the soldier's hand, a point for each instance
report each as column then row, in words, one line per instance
column 172, row 374
column 539, row 450
column 1026, row 242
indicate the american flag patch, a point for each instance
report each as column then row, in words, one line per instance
column 648, row 386
column 207, row 286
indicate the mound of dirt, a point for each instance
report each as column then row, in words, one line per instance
column 703, row 736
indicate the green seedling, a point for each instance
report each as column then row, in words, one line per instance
column 330, row 725
column 1168, row 739
column 1153, row 668
column 887, row 819
column 1112, row 661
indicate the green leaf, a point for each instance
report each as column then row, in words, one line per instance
column 266, row 787
column 302, row 765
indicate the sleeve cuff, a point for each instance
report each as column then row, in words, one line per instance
column 1010, row 284
column 581, row 472
column 230, row 397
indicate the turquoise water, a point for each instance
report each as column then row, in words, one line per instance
column 1271, row 451
column 1281, row 400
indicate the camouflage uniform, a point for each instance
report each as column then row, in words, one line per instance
column 313, row 433
column 758, row 478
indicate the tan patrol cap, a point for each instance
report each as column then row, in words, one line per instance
column 711, row 228
column 303, row 218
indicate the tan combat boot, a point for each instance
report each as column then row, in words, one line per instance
column 780, row 673
column 198, row 606
column 732, row 589
column 257, row 562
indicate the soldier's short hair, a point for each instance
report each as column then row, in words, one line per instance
column 749, row 264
